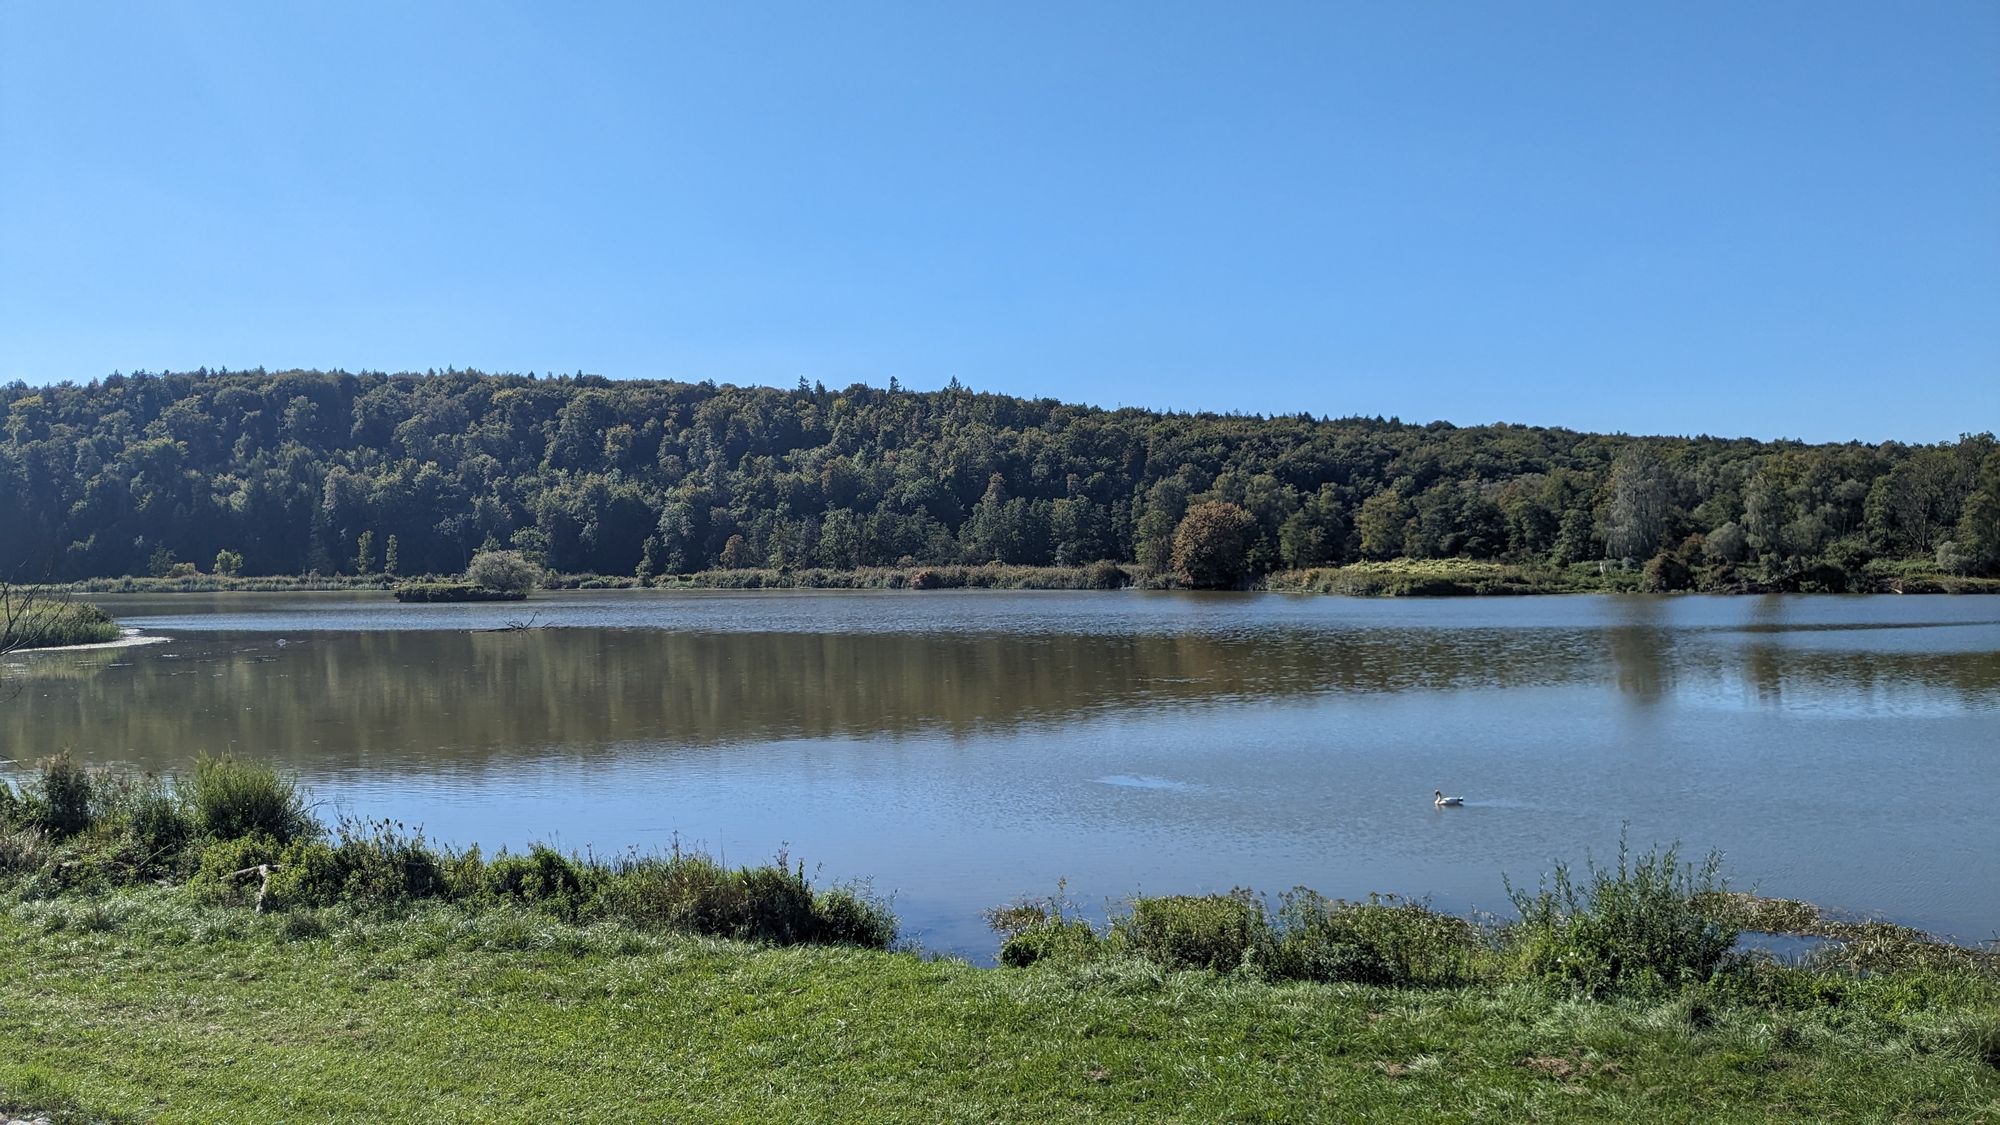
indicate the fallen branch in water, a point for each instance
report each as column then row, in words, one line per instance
column 516, row 625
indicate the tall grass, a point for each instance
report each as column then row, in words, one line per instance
column 229, row 799
column 47, row 622
column 1638, row 926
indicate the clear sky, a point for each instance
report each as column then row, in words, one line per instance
column 1773, row 219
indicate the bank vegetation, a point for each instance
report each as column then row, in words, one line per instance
column 332, row 477
column 271, row 965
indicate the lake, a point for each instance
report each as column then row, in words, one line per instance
column 965, row 749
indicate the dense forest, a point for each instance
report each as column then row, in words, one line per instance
column 333, row 473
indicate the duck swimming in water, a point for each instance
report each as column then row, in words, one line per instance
column 1440, row 800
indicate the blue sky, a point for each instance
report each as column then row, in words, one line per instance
column 1773, row 219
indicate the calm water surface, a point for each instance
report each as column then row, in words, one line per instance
column 965, row 749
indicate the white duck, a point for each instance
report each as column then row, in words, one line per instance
column 1440, row 800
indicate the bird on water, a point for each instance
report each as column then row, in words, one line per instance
column 1440, row 800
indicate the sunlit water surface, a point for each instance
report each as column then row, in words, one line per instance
column 966, row 749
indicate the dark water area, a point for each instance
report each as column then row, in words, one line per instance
column 967, row 748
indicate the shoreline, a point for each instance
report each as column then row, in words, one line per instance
column 337, row 975
column 1438, row 578
column 129, row 638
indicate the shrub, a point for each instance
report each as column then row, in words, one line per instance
column 685, row 892
column 231, row 800
column 1218, row 932
column 1106, row 575
column 1046, row 930
column 1385, row 940
column 849, row 916
column 380, row 863
column 309, row 874
column 62, row 796
column 1210, row 545
column 1665, row 572
column 1060, row 941
column 691, row 893
column 503, row 570
column 777, row 904
column 215, row 878
column 140, row 810
column 1634, row 927
column 543, row 877
column 368, row 864
column 1036, row 932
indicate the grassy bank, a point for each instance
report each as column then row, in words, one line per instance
column 207, row 952
column 142, row 1005
column 54, row 622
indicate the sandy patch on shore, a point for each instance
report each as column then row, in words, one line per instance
column 131, row 638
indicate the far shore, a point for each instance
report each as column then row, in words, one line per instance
column 1393, row 578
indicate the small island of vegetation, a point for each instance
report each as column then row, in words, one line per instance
column 30, row 619
column 493, row 576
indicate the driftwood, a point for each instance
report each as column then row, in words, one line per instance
column 263, row 872
column 516, row 625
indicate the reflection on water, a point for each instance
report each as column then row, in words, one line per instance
column 967, row 748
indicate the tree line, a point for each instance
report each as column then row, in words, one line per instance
column 300, row 472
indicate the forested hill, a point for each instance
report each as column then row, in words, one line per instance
column 291, row 471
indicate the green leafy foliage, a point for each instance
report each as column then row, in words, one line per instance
column 1211, row 545
column 1637, row 926
column 1219, row 932
column 1050, row 930
column 230, row 799
column 1385, row 940
column 61, row 797
column 291, row 470
column 506, row 571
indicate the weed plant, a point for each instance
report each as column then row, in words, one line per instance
column 1636, row 926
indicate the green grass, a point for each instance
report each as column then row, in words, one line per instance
column 380, row 977
column 142, row 1005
